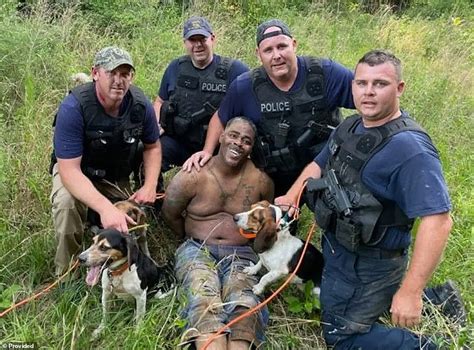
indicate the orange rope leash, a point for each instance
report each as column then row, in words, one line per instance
column 266, row 301
column 37, row 295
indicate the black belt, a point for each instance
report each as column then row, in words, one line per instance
column 378, row 253
column 202, row 242
column 198, row 241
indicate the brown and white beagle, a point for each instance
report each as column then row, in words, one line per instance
column 278, row 250
column 125, row 264
column 127, row 272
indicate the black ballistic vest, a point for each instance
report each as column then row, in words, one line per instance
column 371, row 216
column 197, row 96
column 304, row 112
column 111, row 144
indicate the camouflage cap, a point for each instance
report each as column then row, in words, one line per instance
column 111, row 57
column 283, row 30
column 196, row 26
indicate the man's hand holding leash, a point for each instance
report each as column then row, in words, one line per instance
column 286, row 203
column 290, row 199
column 144, row 195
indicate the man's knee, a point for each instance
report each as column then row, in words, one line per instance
column 63, row 199
column 341, row 333
column 69, row 244
column 201, row 305
column 197, row 278
column 250, row 328
column 337, row 329
column 69, row 218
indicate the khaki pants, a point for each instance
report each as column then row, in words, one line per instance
column 70, row 215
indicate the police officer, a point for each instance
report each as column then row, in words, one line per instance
column 390, row 172
column 98, row 129
column 191, row 90
column 293, row 100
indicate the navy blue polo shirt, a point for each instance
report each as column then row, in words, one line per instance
column 240, row 99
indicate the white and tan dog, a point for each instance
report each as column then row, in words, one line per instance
column 277, row 249
column 124, row 262
column 127, row 272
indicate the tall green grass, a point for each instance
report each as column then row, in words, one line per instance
column 39, row 52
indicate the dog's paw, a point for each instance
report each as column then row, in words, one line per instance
column 97, row 332
column 258, row 289
column 162, row 295
column 250, row 270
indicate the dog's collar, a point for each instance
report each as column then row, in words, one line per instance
column 285, row 221
column 118, row 268
column 247, row 234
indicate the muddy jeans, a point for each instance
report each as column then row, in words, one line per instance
column 355, row 291
column 218, row 291
column 70, row 215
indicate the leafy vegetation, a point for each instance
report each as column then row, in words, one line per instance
column 42, row 44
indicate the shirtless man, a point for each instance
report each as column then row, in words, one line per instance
column 209, row 263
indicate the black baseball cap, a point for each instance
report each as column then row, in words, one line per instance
column 196, row 26
column 284, row 29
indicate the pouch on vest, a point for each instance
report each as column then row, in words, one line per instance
column 348, row 234
column 188, row 82
column 322, row 213
column 281, row 161
column 168, row 113
column 181, row 125
column 258, row 154
column 94, row 174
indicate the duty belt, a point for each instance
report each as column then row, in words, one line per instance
column 379, row 253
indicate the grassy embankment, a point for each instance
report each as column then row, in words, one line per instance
column 38, row 54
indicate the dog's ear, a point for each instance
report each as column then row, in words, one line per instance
column 132, row 248
column 140, row 216
column 266, row 235
column 136, row 213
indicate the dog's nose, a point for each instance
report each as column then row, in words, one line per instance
column 82, row 258
column 236, row 217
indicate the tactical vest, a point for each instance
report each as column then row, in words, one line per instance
column 371, row 216
column 197, row 96
column 111, row 144
column 292, row 123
